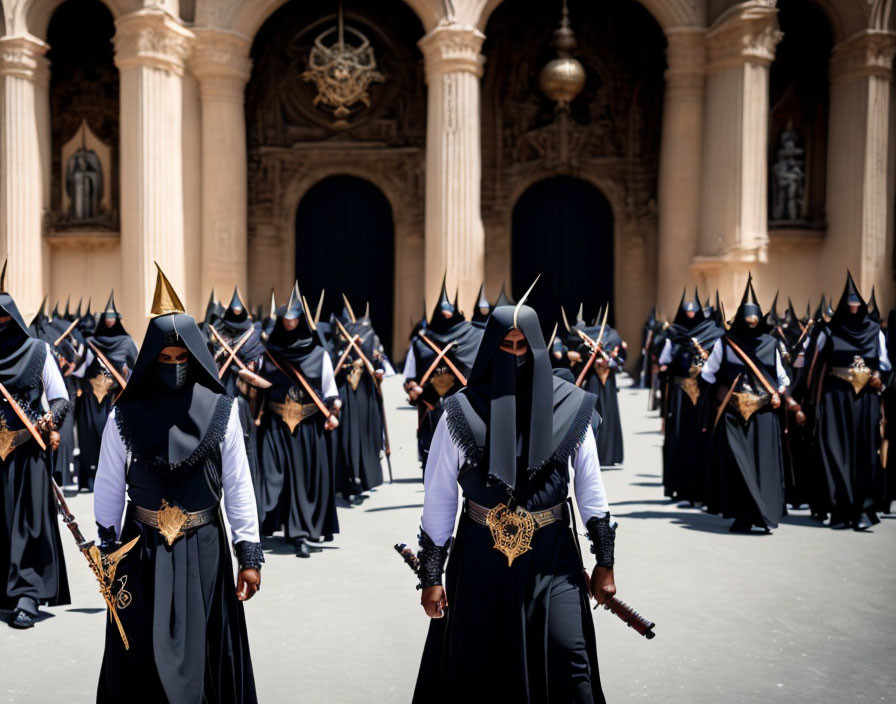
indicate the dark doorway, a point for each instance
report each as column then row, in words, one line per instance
column 563, row 230
column 345, row 244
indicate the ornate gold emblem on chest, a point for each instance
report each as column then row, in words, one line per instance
column 101, row 384
column 858, row 374
column 442, row 381
column 357, row 371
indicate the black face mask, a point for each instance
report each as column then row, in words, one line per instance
column 172, row 376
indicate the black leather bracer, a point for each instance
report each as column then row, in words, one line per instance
column 108, row 538
column 432, row 561
column 602, row 533
column 248, row 555
column 59, row 408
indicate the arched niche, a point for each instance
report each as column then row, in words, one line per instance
column 345, row 243
column 294, row 143
column 610, row 137
column 562, row 229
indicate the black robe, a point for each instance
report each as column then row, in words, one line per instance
column 186, row 627
column 747, row 467
column 360, row 440
column 520, row 632
column 30, row 544
column 852, row 481
column 95, row 400
column 299, row 484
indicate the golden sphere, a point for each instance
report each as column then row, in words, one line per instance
column 562, row 79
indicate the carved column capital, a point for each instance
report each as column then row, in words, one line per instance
column 151, row 38
column 747, row 33
column 686, row 61
column 23, row 57
column 452, row 48
column 220, row 61
column 868, row 53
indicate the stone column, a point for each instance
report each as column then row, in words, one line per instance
column 150, row 51
column 455, row 240
column 734, row 217
column 859, row 194
column 680, row 160
column 220, row 62
column 24, row 73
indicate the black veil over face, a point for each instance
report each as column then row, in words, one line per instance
column 21, row 355
column 749, row 306
column 504, row 401
column 686, row 306
column 173, row 427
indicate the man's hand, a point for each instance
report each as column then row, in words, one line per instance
column 247, row 583
column 603, row 585
column 434, row 601
column 876, row 382
column 53, row 440
column 332, row 423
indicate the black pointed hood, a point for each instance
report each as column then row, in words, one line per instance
column 292, row 345
column 213, row 310
column 21, row 354
column 67, row 313
column 686, row 306
column 236, row 317
column 873, row 310
column 749, row 306
column 503, row 402
column 445, row 315
column 55, row 315
column 482, row 304
column 41, row 316
column 503, row 298
column 772, row 318
column 87, row 326
column 857, row 328
column 173, row 429
column 110, row 312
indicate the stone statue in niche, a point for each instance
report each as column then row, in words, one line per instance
column 84, row 184
column 789, row 178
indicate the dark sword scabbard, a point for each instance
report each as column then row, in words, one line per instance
column 631, row 617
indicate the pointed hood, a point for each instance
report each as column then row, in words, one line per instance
column 292, row 345
column 445, row 315
column 110, row 313
column 55, row 315
column 749, row 307
column 503, row 298
column 857, row 329
column 873, row 310
column 483, row 308
column 686, row 306
column 41, row 315
column 21, row 355
column 213, row 310
column 772, row 318
column 236, row 316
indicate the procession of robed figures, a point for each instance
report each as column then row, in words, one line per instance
column 270, row 418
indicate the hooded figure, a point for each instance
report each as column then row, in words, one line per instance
column 99, row 387
column 888, row 444
column 689, row 342
column 746, row 475
column 31, row 559
column 518, row 624
column 600, row 379
column 846, row 380
column 174, row 446
column 428, row 386
column 296, row 445
column 361, row 438
column 482, row 311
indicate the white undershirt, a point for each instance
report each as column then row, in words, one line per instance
column 54, row 386
column 239, row 498
column 441, row 491
column 666, row 354
column 882, row 354
column 715, row 361
column 410, row 365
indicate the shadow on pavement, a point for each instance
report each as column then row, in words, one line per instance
column 702, row 522
column 392, row 508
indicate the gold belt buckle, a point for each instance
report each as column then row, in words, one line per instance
column 293, row 413
column 747, row 404
column 101, row 385
column 512, row 531
column 354, row 376
column 171, row 520
column 690, row 388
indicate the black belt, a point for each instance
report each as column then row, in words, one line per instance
column 541, row 518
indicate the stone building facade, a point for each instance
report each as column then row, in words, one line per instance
column 377, row 144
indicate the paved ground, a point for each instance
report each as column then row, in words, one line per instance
column 805, row 615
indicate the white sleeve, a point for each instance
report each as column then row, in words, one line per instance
column 666, row 354
column 410, row 365
column 819, row 343
column 388, row 369
column 440, row 486
column 239, row 496
column 713, row 363
column 88, row 360
column 327, row 379
column 588, row 483
column 783, row 379
column 54, row 386
column 109, row 487
column 883, row 356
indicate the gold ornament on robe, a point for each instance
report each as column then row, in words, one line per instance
column 292, row 412
column 442, row 381
column 171, row 519
column 101, row 384
column 858, row 374
column 354, row 376
column 165, row 300
column 512, row 531
column 10, row 439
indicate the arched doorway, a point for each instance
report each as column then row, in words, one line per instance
column 345, row 244
column 562, row 228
